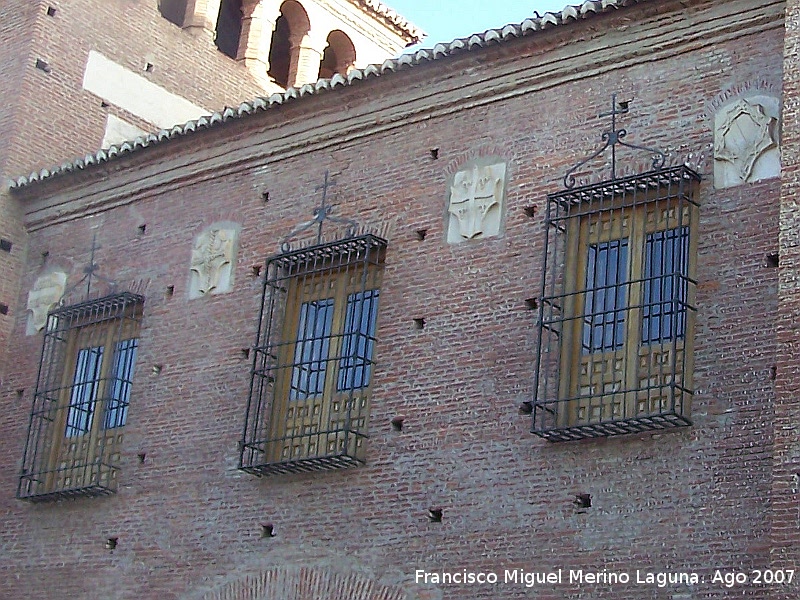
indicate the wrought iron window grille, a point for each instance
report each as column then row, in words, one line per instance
column 616, row 317
column 81, row 400
column 309, row 398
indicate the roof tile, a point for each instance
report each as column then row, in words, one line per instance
column 527, row 27
column 492, row 36
column 550, row 18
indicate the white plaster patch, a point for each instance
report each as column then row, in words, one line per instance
column 139, row 96
column 47, row 291
column 118, row 131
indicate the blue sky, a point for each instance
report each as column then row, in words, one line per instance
column 446, row 20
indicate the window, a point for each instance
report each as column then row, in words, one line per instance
column 617, row 315
column 313, row 345
column 286, row 57
column 311, row 349
column 88, row 387
column 85, row 385
column 81, row 401
column 313, row 364
column 173, row 11
column 666, row 274
column 121, row 378
column 339, row 55
column 604, row 311
column 355, row 365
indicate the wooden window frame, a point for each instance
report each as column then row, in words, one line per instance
column 628, row 349
column 311, row 384
column 628, row 380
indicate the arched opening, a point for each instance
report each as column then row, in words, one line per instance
column 284, row 49
column 339, row 55
column 229, row 27
column 173, row 11
column 279, row 52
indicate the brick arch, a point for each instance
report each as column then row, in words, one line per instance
column 339, row 56
column 305, row 583
column 284, row 55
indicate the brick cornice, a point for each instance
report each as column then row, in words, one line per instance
column 404, row 98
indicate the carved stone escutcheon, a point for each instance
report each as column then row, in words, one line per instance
column 213, row 259
column 746, row 141
column 46, row 292
column 476, row 203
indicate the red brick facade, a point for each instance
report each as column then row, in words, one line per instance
column 719, row 495
column 786, row 453
column 47, row 117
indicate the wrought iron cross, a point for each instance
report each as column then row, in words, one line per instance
column 322, row 213
column 89, row 272
column 612, row 137
column 324, row 210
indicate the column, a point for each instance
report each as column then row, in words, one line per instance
column 200, row 18
column 258, row 24
column 306, row 56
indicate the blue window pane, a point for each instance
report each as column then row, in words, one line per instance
column 666, row 268
column 85, row 387
column 605, row 297
column 311, row 349
column 120, row 384
column 358, row 342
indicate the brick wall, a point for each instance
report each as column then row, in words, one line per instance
column 188, row 522
column 786, row 462
column 47, row 117
column 17, row 21
column 131, row 34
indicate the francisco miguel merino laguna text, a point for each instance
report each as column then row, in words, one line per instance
column 572, row 576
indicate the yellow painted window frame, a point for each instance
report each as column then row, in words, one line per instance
column 632, row 224
column 574, row 396
column 60, row 461
column 290, row 415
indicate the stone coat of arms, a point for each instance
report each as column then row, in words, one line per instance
column 746, row 145
column 45, row 295
column 212, row 262
column 476, row 202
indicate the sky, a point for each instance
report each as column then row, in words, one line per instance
column 446, row 20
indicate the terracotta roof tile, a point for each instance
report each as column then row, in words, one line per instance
column 439, row 51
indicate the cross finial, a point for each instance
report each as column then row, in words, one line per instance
column 322, row 213
column 623, row 108
column 612, row 137
column 89, row 272
column 324, row 209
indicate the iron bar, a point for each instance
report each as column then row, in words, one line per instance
column 616, row 310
